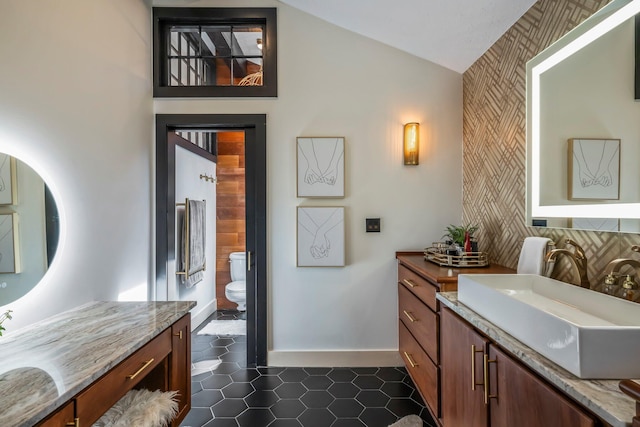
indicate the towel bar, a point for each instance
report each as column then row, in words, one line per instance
column 187, row 242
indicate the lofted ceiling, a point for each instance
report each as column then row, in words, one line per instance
column 451, row 33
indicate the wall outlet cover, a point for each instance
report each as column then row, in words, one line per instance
column 373, row 225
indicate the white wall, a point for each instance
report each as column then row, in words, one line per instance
column 76, row 104
column 335, row 83
column 189, row 166
column 80, row 109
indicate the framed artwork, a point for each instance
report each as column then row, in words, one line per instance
column 320, row 166
column 7, row 180
column 599, row 224
column 320, row 237
column 594, row 169
column 9, row 254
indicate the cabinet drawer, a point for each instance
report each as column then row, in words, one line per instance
column 105, row 392
column 420, row 320
column 419, row 286
column 425, row 375
column 61, row 418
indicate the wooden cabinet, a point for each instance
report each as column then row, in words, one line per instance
column 181, row 366
column 164, row 363
column 418, row 335
column 63, row 417
column 462, row 373
column 419, row 282
column 483, row 386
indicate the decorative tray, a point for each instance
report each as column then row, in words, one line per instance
column 466, row 260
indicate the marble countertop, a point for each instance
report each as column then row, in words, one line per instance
column 602, row 397
column 47, row 363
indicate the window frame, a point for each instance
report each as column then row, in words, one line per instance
column 164, row 17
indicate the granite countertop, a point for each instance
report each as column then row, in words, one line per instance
column 602, row 397
column 47, row 363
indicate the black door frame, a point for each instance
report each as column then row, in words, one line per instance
column 255, row 127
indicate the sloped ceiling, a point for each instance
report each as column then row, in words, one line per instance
column 451, row 33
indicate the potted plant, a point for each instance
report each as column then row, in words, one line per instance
column 456, row 233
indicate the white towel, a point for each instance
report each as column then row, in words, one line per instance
column 195, row 239
column 532, row 255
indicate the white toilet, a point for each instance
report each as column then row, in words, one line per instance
column 236, row 291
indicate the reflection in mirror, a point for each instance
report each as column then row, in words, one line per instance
column 29, row 228
column 580, row 97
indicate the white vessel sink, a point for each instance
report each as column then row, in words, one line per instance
column 589, row 334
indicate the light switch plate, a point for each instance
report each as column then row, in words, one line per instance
column 373, row 225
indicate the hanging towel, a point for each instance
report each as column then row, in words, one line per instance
column 193, row 237
column 532, row 255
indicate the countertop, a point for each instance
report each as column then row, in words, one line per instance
column 47, row 363
column 444, row 275
column 602, row 397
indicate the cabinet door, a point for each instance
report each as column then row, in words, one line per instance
column 461, row 353
column 523, row 400
column 180, row 377
column 63, row 417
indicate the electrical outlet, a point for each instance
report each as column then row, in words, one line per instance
column 373, row 225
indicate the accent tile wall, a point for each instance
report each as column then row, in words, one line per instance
column 494, row 147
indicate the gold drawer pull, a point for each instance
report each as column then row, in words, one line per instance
column 410, row 359
column 409, row 316
column 147, row 363
column 75, row 423
column 487, row 396
column 179, row 334
column 409, row 283
column 473, row 366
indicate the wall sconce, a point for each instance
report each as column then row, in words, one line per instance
column 259, row 43
column 411, row 143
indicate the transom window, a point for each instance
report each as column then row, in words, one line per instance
column 214, row 52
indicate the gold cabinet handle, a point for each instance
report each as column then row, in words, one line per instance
column 473, row 366
column 147, row 363
column 410, row 359
column 75, row 423
column 409, row 316
column 409, row 283
column 487, row 396
column 179, row 334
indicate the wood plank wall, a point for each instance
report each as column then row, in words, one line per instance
column 230, row 209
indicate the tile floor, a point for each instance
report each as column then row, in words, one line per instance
column 226, row 393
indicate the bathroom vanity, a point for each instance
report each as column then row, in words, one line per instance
column 69, row 369
column 520, row 382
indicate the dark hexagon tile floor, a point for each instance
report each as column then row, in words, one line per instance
column 226, row 393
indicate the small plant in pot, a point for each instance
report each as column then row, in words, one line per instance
column 456, row 234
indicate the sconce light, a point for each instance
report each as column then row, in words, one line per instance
column 411, row 143
column 259, row 43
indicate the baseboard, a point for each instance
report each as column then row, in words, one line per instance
column 198, row 318
column 334, row 359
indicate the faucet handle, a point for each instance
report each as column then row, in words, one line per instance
column 578, row 249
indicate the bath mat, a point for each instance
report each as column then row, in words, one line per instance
column 225, row 328
column 408, row 421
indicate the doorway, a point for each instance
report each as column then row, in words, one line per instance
column 254, row 128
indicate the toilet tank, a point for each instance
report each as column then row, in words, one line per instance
column 238, row 265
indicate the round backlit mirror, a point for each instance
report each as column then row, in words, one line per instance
column 29, row 228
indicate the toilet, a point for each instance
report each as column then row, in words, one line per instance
column 236, row 291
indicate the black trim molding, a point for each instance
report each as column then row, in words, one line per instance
column 255, row 128
column 637, row 43
column 163, row 17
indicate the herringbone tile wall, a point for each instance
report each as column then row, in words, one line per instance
column 494, row 147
